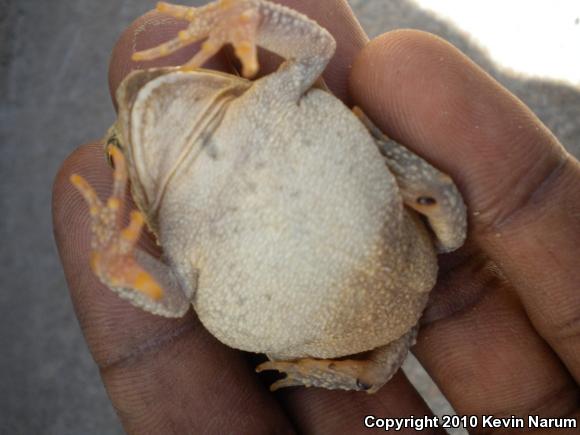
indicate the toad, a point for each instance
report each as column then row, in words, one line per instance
column 290, row 222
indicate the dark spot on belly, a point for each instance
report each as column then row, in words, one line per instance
column 212, row 152
column 210, row 147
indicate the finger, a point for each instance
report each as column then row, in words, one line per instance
column 154, row 28
column 320, row 411
column 429, row 96
column 487, row 358
column 159, row 373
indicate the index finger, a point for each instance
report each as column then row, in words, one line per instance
column 486, row 357
column 521, row 186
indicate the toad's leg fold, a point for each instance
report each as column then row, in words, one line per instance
column 133, row 274
column 246, row 24
column 368, row 374
column 425, row 189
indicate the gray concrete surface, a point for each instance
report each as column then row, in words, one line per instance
column 53, row 96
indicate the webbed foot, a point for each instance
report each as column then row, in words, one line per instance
column 222, row 22
column 359, row 375
column 365, row 374
column 112, row 258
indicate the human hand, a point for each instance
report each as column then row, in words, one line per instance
column 501, row 334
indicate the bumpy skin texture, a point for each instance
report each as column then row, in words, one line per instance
column 277, row 213
column 302, row 242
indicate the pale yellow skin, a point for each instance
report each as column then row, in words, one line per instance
column 285, row 218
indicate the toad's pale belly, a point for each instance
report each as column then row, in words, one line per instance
column 302, row 244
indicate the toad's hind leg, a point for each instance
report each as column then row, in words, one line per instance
column 368, row 374
column 222, row 22
column 247, row 24
column 133, row 274
column 424, row 188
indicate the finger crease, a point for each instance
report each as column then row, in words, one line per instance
column 534, row 195
column 567, row 329
column 452, row 297
column 557, row 402
column 147, row 348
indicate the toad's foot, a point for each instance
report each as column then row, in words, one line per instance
column 245, row 24
column 347, row 374
column 368, row 374
column 112, row 258
column 222, row 22
column 133, row 274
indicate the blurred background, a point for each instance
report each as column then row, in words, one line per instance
column 54, row 96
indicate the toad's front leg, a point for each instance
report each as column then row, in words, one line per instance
column 133, row 274
column 246, row 24
column 365, row 374
column 424, row 188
